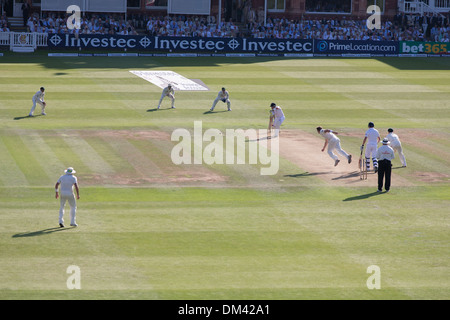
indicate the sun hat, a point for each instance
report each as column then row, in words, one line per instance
column 69, row 170
column 385, row 141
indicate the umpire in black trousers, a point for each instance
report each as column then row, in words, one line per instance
column 385, row 154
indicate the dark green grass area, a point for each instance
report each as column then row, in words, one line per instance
column 235, row 244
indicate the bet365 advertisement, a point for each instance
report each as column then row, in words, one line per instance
column 425, row 48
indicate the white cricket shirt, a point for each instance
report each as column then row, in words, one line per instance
column 393, row 139
column 278, row 112
column 372, row 136
column 328, row 135
column 66, row 183
column 223, row 95
column 39, row 95
column 166, row 91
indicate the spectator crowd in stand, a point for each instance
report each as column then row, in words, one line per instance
column 93, row 24
column 427, row 27
column 4, row 23
column 191, row 26
column 401, row 28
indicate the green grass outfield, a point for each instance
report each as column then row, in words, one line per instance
column 149, row 229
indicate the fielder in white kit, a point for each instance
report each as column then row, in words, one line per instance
column 334, row 143
column 372, row 136
column 67, row 181
column 168, row 92
column 223, row 96
column 396, row 145
column 39, row 99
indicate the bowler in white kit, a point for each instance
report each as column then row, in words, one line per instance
column 334, row 143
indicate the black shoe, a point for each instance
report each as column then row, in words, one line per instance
column 61, row 225
column 375, row 170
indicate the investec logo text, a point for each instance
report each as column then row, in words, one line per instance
column 110, row 42
column 288, row 45
column 244, row 45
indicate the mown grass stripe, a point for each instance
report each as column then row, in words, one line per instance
column 383, row 88
column 89, row 155
column 65, row 154
column 108, row 153
column 10, row 173
column 25, row 159
column 50, row 162
column 143, row 165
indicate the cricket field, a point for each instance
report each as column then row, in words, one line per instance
column 152, row 229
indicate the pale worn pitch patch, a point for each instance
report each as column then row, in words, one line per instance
column 178, row 82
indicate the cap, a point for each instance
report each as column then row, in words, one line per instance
column 273, row 104
column 223, row 89
column 42, row 89
column 390, row 130
column 371, row 125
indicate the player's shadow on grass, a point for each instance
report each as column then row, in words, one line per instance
column 261, row 138
column 156, row 109
column 40, row 232
column 363, row 196
column 304, row 174
column 27, row 117
column 348, row 175
column 211, row 112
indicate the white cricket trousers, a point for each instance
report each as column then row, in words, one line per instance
column 277, row 124
column 371, row 152
column 399, row 149
column 73, row 207
column 34, row 106
column 171, row 97
column 335, row 144
column 228, row 102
